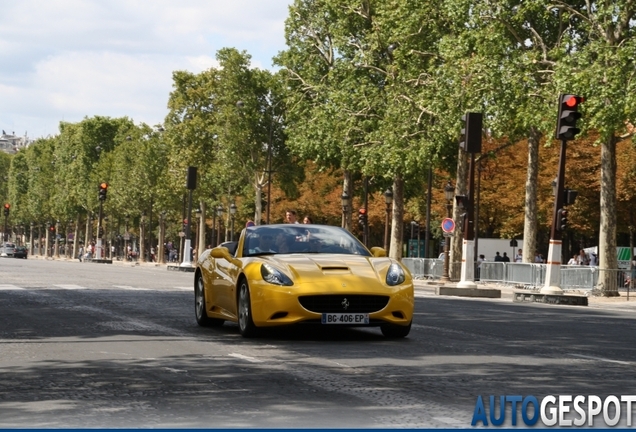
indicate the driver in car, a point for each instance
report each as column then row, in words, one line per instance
column 265, row 243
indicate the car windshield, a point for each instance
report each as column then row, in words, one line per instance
column 299, row 238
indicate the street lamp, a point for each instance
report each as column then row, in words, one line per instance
column 219, row 214
column 388, row 199
column 449, row 192
column 232, row 216
column 345, row 208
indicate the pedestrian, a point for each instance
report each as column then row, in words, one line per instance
column 583, row 258
column 81, row 253
column 505, row 257
column 290, row 217
column 519, row 256
column 593, row 259
column 307, row 220
column 498, row 258
column 480, row 260
column 574, row 260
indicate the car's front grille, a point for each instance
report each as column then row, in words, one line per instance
column 344, row 303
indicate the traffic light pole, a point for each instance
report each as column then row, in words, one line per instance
column 187, row 262
column 4, row 233
column 468, row 246
column 553, row 261
column 98, row 248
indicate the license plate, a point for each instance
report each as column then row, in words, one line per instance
column 345, row 318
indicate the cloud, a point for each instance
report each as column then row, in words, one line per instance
column 67, row 59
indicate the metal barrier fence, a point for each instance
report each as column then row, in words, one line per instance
column 529, row 275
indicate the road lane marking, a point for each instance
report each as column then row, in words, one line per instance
column 69, row 286
column 244, row 357
column 184, row 288
column 132, row 288
column 600, row 359
column 7, row 287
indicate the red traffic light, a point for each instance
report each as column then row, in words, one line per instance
column 7, row 206
column 103, row 185
column 362, row 211
column 572, row 101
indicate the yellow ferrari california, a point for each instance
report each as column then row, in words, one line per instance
column 277, row 275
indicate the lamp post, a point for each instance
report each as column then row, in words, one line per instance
column 449, row 192
column 232, row 216
column 344, row 199
column 388, row 199
column 219, row 214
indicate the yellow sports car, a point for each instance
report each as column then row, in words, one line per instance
column 278, row 275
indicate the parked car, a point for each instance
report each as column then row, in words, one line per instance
column 7, row 250
column 21, row 252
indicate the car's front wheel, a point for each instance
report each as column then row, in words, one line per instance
column 245, row 322
column 199, row 306
column 393, row 331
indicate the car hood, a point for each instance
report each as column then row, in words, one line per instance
column 304, row 268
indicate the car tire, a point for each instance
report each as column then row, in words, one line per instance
column 199, row 306
column 245, row 322
column 393, row 331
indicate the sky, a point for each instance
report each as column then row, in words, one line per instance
column 64, row 60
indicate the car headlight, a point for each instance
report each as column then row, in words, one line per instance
column 275, row 276
column 395, row 275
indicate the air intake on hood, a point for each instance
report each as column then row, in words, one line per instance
column 334, row 268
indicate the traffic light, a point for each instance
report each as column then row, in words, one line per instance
column 103, row 189
column 568, row 115
column 52, row 229
column 470, row 140
column 100, row 231
column 185, row 225
column 562, row 219
column 362, row 217
column 569, row 196
column 7, row 207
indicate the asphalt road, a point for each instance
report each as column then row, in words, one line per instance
column 95, row 345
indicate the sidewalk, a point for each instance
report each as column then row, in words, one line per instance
column 622, row 302
column 115, row 261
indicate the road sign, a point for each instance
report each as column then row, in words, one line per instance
column 448, row 225
column 181, row 234
column 127, row 236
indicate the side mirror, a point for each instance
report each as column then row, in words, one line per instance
column 221, row 252
column 378, row 252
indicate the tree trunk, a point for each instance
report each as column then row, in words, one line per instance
column 457, row 240
column 397, row 224
column 532, row 174
column 608, row 259
column 76, row 237
column 347, row 189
